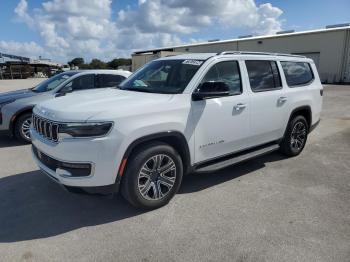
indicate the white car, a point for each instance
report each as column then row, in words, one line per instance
column 177, row 115
column 16, row 106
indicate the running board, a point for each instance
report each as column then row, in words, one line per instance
column 238, row 158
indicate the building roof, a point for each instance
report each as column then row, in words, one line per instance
column 290, row 33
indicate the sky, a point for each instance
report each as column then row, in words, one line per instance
column 107, row 29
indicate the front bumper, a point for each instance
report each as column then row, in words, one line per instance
column 100, row 153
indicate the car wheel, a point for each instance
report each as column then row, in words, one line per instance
column 295, row 137
column 153, row 176
column 22, row 128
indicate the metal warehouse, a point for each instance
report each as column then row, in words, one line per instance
column 329, row 48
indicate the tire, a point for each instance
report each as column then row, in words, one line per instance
column 22, row 126
column 144, row 185
column 295, row 137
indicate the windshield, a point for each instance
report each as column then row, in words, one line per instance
column 53, row 82
column 163, row 76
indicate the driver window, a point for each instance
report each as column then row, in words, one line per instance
column 82, row 83
column 227, row 72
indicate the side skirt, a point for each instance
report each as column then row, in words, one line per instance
column 233, row 159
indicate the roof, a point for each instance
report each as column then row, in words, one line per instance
column 196, row 56
column 205, row 56
column 169, row 48
column 101, row 71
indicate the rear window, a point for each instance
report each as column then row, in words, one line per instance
column 297, row 73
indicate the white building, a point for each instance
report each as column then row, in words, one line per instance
column 330, row 49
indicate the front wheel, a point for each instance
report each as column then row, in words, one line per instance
column 22, row 128
column 295, row 137
column 153, row 176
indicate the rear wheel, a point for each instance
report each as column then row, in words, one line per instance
column 22, row 128
column 153, row 176
column 295, row 137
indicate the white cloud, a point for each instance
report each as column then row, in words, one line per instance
column 182, row 16
column 268, row 20
column 21, row 12
column 30, row 49
column 72, row 28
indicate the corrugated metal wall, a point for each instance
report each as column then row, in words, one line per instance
column 329, row 49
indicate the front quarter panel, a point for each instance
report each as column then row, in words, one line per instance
column 172, row 117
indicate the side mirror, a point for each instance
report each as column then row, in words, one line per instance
column 211, row 89
column 66, row 89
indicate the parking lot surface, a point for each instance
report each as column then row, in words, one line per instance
column 10, row 85
column 268, row 209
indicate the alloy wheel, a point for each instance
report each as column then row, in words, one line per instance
column 298, row 136
column 157, row 177
column 25, row 128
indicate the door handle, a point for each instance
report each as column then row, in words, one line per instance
column 240, row 106
column 282, row 99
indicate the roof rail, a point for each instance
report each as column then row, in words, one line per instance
column 256, row 53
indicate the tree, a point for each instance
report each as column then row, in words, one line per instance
column 115, row 63
column 78, row 61
column 97, row 64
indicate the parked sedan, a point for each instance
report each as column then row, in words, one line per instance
column 16, row 106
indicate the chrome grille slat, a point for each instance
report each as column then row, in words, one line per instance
column 46, row 128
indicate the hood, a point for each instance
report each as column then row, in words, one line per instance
column 14, row 95
column 84, row 105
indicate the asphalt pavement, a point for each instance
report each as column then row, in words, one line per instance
column 271, row 208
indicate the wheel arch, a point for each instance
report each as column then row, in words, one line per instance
column 19, row 113
column 304, row 111
column 173, row 138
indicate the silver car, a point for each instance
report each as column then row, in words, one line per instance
column 16, row 106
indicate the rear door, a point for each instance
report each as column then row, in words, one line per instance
column 108, row 80
column 268, row 101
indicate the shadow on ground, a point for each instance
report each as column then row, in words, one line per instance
column 7, row 141
column 34, row 207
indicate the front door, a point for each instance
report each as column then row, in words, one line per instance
column 221, row 124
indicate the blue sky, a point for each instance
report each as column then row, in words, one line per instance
column 63, row 29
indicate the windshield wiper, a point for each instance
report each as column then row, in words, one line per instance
column 138, row 89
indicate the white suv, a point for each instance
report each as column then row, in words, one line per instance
column 177, row 115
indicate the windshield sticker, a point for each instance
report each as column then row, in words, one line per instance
column 192, row 62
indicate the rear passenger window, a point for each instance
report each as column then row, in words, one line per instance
column 263, row 75
column 297, row 73
column 110, row 80
column 227, row 72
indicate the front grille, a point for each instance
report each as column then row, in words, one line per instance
column 46, row 128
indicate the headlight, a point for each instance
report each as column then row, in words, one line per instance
column 94, row 129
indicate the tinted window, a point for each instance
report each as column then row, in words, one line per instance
column 82, row 82
column 297, row 73
column 163, row 76
column 53, row 82
column 110, row 80
column 227, row 72
column 263, row 75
